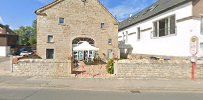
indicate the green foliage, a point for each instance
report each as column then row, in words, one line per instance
column 110, row 66
column 33, row 41
column 27, row 35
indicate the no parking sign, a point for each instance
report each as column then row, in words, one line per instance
column 194, row 45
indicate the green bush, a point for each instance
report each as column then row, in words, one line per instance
column 110, row 66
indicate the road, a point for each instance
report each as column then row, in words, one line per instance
column 12, row 93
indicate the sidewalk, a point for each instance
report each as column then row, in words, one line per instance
column 135, row 86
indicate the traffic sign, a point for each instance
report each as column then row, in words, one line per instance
column 194, row 45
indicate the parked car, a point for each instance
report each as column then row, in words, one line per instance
column 26, row 53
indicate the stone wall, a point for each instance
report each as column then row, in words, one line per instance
column 156, row 70
column 44, row 68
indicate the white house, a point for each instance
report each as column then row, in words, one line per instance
column 165, row 28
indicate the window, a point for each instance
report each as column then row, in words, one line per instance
column 61, row 21
column 155, row 33
column 164, row 27
column 110, row 41
column 202, row 25
column 138, row 33
column 110, row 54
column 126, row 37
column 172, row 26
column 50, row 53
column 201, row 46
column 123, row 36
column 50, row 39
column 102, row 25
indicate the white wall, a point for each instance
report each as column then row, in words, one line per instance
column 196, row 30
column 4, row 51
column 174, row 45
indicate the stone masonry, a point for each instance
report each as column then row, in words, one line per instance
column 42, row 68
column 81, row 20
column 156, row 70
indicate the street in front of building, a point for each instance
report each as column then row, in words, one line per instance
column 82, row 50
column 61, row 94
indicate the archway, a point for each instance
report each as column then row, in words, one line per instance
column 79, row 40
column 86, row 59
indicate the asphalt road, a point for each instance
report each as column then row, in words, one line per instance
column 61, row 94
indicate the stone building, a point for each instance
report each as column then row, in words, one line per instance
column 65, row 23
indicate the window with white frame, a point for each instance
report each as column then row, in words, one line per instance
column 165, row 27
column 50, row 39
column 202, row 25
column 110, row 53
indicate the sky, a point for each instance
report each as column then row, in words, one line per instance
column 16, row 13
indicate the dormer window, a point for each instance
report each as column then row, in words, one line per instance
column 61, row 21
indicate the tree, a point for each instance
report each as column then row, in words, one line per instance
column 33, row 41
column 27, row 35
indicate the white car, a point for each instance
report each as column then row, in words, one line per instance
column 25, row 53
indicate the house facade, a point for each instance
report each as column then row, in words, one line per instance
column 64, row 24
column 8, row 40
column 165, row 28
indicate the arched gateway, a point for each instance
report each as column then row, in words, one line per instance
column 83, row 49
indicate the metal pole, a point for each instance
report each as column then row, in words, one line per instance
column 194, row 66
column 11, row 62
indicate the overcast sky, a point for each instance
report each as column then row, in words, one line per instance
column 18, row 13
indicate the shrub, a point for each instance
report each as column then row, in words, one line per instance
column 110, row 66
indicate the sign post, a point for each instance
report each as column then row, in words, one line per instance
column 194, row 50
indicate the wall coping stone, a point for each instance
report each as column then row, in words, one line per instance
column 42, row 61
column 152, row 62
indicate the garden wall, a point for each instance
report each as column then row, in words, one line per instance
column 153, row 70
column 39, row 67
